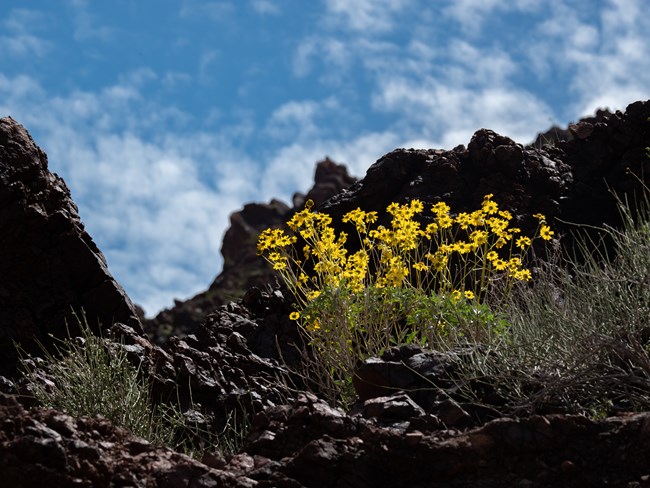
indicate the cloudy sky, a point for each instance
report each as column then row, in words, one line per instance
column 165, row 116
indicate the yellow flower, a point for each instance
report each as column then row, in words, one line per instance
column 479, row 237
column 469, row 295
column 393, row 208
column 497, row 225
column 445, row 221
column 416, row 206
column 275, row 257
column 523, row 275
column 312, row 295
column 489, row 207
column 499, row 264
column 523, row 242
column 464, row 220
column 514, row 264
column 455, row 295
column 274, row 238
column 492, row 256
column 294, row 316
column 441, row 208
column 478, row 218
column 462, row 247
column 546, row 233
column 420, row 266
column 431, row 229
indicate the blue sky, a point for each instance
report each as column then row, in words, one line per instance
column 166, row 116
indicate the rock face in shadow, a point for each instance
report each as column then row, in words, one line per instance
column 568, row 182
column 46, row 448
column 242, row 267
column 49, row 265
column 309, row 444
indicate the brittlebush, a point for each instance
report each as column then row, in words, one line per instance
column 405, row 283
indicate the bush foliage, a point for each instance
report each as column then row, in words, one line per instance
column 433, row 285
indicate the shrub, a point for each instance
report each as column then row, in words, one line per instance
column 90, row 375
column 433, row 285
column 579, row 337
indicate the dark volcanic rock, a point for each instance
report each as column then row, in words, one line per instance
column 570, row 181
column 230, row 363
column 242, row 267
column 49, row 265
column 318, row 446
column 45, row 448
column 557, row 134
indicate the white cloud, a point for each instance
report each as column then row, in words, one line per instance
column 153, row 207
column 331, row 51
column 21, row 41
column 299, row 119
column 301, row 63
column 367, row 16
column 207, row 59
column 606, row 55
column 471, row 14
column 450, row 114
column 265, row 7
column 291, row 167
column 175, row 79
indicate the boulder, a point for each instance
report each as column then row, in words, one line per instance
column 49, row 265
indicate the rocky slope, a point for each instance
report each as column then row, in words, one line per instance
column 398, row 434
column 49, row 264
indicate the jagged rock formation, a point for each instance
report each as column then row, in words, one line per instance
column 242, row 267
column 49, row 265
column 41, row 447
column 558, row 134
column 570, row 180
column 398, row 433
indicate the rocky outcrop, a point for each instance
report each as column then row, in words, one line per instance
column 240, row 359
column 557, row 134
column 50, row 266
column 41, row 447
column 309, row 444
column 570, row 182
column 242, row 267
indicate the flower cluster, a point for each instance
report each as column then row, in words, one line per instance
column 480, row 245
column 342, row 284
